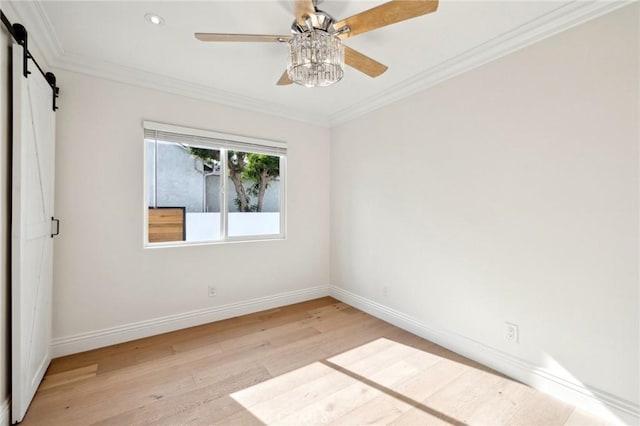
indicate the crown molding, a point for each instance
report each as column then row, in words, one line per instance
column 547, row 25
column 35, row 18
column 137, row 77
column 32, row 15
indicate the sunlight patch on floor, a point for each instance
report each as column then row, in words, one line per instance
column 382, row 382
column 386, row 382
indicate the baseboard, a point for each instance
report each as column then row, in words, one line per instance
column 609, row 407
column 110, row 336
column 5, row 412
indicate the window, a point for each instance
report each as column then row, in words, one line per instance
column 202, row 186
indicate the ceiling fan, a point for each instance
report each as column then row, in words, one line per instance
column 317, row 55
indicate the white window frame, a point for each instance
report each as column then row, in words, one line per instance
column 223, row 142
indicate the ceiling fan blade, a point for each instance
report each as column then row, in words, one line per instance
column 303, row 9
column 284, row 79
column 243, row 37
column 363, row 63
column 385, row 14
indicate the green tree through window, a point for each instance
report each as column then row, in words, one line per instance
column 261, row 169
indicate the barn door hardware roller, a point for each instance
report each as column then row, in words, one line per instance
column 51, row 78
column 19, row 34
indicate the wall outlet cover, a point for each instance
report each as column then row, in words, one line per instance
column 511, row 332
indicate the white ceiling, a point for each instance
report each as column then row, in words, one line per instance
column 112, row 39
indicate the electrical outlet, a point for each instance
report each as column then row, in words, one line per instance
column 212, row 291
column 511, row 332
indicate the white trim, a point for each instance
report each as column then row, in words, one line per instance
column 283, row 197
column 610, row 407
column 145, row 189
column 224, row 205
column 224, row 202
column 249, row 238
column 5, row 411
column 170, row 128
column 228, row 240
column 123, row 333
column 151, row 80
column 547, row 25
column 41, row 32
column 563, row 18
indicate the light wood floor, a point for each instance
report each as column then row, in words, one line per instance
column 318, row 362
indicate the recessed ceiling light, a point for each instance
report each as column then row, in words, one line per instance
column 154, row 19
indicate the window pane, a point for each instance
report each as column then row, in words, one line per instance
column 185, row 205
column 253, row 194
column 189, row 198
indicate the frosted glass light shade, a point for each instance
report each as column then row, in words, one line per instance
column 316, row 59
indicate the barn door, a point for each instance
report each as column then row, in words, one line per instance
column 31, row 232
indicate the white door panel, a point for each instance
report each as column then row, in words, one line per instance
column 31, row 242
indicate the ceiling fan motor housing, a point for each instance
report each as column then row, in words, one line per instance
column 319, row 21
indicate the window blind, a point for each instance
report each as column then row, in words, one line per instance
column 167, row 133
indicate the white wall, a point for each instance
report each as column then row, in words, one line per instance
column 509, row 193
column 103, row 276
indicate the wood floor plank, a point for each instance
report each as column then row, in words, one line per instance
column 400, row 393
column 69, row 376
column 541, row 409
column 266, row 335
column 462, row 396
column 134, row 357
column 431, row 380
column 272, row 408
column 285, row 382
column 415, row 416
column 505, row 400
column 223, row 411
column 315, row 362
column 333, row 406
column 339, row 406
column 379, row 411
column 187, row 403
column 285, row 361
column 133, row 385
column 348, row 358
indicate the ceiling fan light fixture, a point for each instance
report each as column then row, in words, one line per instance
column 316, row 58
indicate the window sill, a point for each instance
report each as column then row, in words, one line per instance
column 233, row 240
